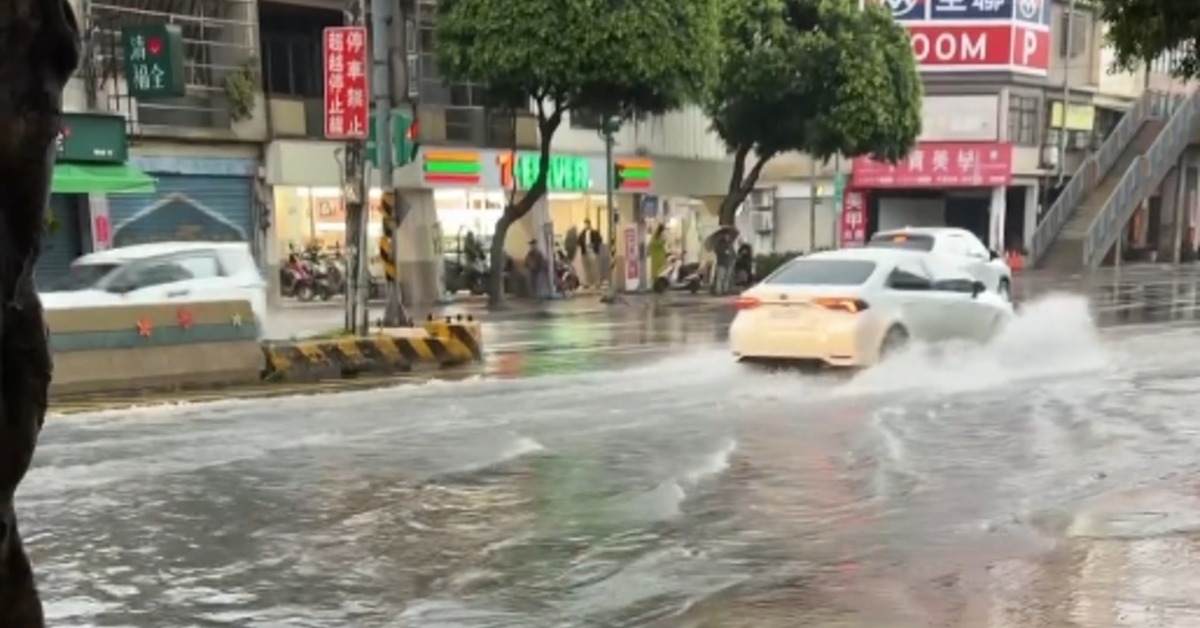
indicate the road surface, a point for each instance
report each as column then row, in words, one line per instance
column 616, row 469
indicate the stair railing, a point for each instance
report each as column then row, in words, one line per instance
column 1090, row 172
column 1142, row 178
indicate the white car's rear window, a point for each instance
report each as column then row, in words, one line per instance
column 822, row 272
column 910, row 242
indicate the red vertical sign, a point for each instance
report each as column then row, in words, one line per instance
column 854, row 219
column 347, row 94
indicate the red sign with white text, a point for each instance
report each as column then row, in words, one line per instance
column 1005, row 47
column 853, row 227
column 347, row 93
column 940, row 165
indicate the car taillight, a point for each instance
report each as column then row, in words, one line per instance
column 746, row 303
column 852, row 306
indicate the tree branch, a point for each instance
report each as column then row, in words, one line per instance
column 755, row 172
column 739, row 168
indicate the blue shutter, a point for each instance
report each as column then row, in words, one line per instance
column 61, row 245
column 185, row 207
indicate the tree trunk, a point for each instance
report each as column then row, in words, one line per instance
column 729, row 206
column 741, row 183
column 499, row 259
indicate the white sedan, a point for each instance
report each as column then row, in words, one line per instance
column 958, row 245
column 853, row 307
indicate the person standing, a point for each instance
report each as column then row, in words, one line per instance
column 590, row 243
column 658, row 252
column 536, row 269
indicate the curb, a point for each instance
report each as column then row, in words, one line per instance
column 436, row 344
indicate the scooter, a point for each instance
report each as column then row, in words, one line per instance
column 566, row 281
column 679, row 276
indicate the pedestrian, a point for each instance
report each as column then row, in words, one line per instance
column 658, row 252
column 536, row 268
column 726, row 254
column 590, row 244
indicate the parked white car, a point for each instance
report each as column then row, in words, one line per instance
column 959, row 244
column 853, row 307
column 163, row 272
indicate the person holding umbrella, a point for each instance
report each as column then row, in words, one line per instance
column 723, row 244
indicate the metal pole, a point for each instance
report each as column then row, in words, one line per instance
column 609, row 201
column 812, row 204
column 1066, row 92
column 381, row 82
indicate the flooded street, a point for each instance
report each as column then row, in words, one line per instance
column 644, row 479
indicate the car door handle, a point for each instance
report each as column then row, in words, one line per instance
column 178, row 293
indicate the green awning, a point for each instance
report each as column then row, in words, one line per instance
column 100, row 179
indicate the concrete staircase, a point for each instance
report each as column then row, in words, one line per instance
column 1065, row 253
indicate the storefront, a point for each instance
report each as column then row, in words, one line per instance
column 90, row 170
column 196, row 198
column 956, row 184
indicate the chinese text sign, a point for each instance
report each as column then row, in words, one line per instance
column 940, row 165
column 347, row 95
column 853, row 227
column 153, row 61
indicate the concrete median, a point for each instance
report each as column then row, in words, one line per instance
column 437, row 344
column 153, row 347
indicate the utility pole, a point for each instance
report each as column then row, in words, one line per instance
column 355, row 195
column 609, row 128
column 1066, row 92
column 812, row 204
column 381, row 37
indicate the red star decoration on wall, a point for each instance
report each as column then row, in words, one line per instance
column 185, row 318
column 144, row 327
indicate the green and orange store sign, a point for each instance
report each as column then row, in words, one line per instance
column 490, row 169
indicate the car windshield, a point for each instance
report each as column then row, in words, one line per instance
column 822, row 272
column 83, row 277
column 906, row 241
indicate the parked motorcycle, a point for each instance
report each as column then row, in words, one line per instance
column 679, row 275
column 566, row 280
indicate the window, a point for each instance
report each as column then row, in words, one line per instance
column 1080, row 27
column 822, row 272
column 1023, row 127
column 202, row 266
column 948, row 276
column 150, row 273
column 905, row 241
column 909, row 276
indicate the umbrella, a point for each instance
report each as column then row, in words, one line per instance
column 711, row 241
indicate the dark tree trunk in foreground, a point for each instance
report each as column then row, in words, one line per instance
column 40, row 40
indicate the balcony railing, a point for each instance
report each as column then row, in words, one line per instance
column 219, row 38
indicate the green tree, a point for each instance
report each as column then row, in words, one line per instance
column 1143, row 30
column 612, row 57
column 822, row 77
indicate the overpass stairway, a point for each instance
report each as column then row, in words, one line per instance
column 1094, row 182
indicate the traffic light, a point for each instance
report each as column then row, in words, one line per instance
column 408, row 139
column 618, row 175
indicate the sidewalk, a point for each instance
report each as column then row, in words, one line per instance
column 577, row 305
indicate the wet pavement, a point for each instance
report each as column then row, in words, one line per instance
column 614, row 468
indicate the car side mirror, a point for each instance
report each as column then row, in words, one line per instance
column 978, row 288
column 992, row 255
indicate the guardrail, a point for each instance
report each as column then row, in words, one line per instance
column 1144, row 175
column 1091, row 171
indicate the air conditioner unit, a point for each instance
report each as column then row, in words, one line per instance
column 763, row 222
column 1081, row 140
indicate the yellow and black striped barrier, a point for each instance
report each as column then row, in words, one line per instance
column 437, row 344
column 387, row 207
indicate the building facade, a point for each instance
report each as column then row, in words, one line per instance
column 996, row 147
column 164, row 130
column 471, row 156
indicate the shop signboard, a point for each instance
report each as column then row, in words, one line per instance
column 92, row 138
column 347, row 92
column 977, row 35
column 153, row 61
column 940, row 165
column 853, row 219
column 568, row 173
column 632, row 254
